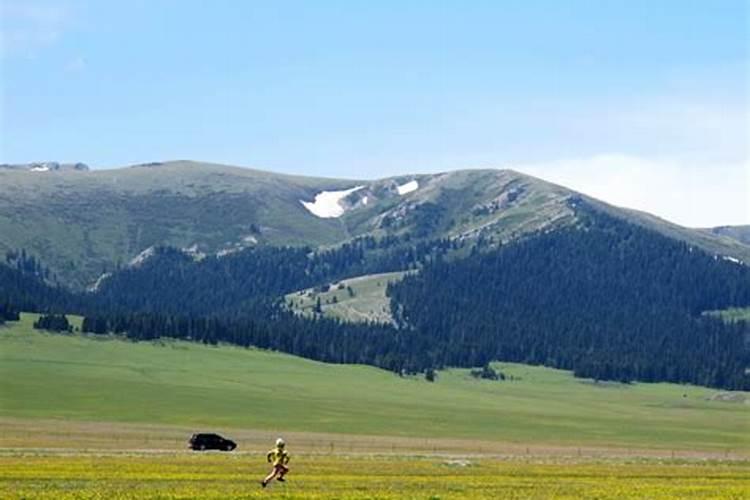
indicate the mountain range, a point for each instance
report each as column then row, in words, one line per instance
column 411, row 273
column 83, row 223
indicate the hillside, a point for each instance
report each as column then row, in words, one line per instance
column 362, row 298
column 495, row 265
column 44, row 375
column 739, row 233
column 81, row 223
column 601, row 295
column 607, row 299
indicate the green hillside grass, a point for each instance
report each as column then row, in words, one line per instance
column 739, row 233
column 45, row 375
column 80, row 224
column 366, row 301
column 732, row 314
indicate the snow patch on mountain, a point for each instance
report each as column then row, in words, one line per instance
column 407, row 188
column 327, row 204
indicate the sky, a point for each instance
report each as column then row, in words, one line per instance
column 644, row 104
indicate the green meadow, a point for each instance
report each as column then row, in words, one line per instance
column 732, row 314
column 76, row 377
column 62, row 476
column 355, row 299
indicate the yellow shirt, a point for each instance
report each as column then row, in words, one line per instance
column 278, row 456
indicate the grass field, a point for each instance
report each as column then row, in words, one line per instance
column 78, row 378
column 184, row 475
column 365, row 302
column 88, row 417
column 732, row 314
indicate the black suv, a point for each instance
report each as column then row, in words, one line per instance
column 203, row 442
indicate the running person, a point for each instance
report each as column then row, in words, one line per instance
column 279, row 458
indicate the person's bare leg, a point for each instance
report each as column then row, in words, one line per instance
column 282, row 470
column 269, row 477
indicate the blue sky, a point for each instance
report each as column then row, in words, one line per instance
column 642, row 103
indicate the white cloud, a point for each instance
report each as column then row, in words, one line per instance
column 28, row 26
column 694, row 195
column 705, row 129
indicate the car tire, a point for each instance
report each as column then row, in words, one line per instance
column 202, row 447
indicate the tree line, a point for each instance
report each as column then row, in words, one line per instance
column 53, row 323
column 271, row 327
column 608, row 300
column 8, row 312
column 23, row 289
column 173, row 282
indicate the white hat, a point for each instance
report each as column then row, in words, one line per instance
column 280, row 443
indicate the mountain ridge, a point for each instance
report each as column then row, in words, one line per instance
column 81, row 224
column 496, row 266
column 740, row 233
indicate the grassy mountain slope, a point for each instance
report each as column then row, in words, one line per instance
column 716, row 243
column 463, row 203
column 80, row 223
column 732, row 314
column 739, row 233
column 75, row 377
column 361, row 298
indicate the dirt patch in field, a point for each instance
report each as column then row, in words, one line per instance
column 76, row 436
column 729, row 397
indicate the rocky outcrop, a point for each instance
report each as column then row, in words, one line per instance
column 45, row 166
